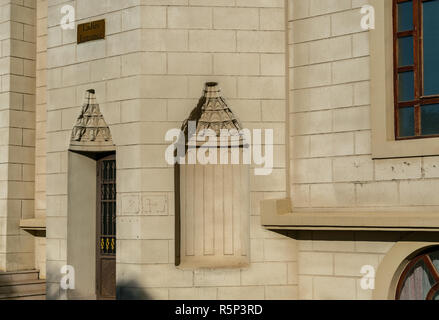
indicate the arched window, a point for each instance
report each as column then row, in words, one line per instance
column 420, row 279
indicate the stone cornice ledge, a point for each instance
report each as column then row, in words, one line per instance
column 33, row 224
column 278, row 215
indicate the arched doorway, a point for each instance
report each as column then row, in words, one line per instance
column 420, row 278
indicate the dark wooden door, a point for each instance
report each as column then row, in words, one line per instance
column 106, row 228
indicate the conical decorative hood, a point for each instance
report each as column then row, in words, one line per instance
column 213, row 113
column 91, row 132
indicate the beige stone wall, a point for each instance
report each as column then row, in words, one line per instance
column 40, row 131
column 330, row 262
column 330, row 116
column 148, row 74
column 331, row 163
column 23, row 132
column 240, row 44
column 17, row 132
column 40, row 113
column 71, row 70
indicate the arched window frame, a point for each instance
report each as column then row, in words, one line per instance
column 433, row 271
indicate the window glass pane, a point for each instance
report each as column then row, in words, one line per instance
column 417, row 284
column 405, row 51
column 406, row 86
column 406, row 122
column 434, row 256
column 431, row 47
column 405, row 16
column 430, row 119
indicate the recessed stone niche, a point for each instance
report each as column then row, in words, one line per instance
column 214, row 198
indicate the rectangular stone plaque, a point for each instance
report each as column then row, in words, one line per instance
column 91, row 31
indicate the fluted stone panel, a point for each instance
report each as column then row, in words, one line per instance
column 214, row 215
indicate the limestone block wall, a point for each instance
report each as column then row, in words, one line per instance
column 149, row 73
column 17, row 132
column 330, row 262
column 40, row 131
column 331, row 163
column 184, row 43
column 71, row 70
column 40, row 112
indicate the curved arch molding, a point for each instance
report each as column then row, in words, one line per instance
column 393, row 264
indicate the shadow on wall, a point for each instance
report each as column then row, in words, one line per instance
column 130, row 290
column 194, row 116
column 335, row 235
column 362, row 236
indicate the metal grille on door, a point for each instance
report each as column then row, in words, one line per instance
column 108, row 208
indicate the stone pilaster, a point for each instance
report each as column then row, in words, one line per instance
column 17, row 137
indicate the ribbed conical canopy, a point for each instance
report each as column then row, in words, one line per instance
column 91, row 132
column 213, row 113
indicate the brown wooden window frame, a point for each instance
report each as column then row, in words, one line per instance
column 417, row 68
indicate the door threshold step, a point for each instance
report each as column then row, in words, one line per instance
column 13, row 276
column 22, row 295
column 21, row 282
column 20, row 272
